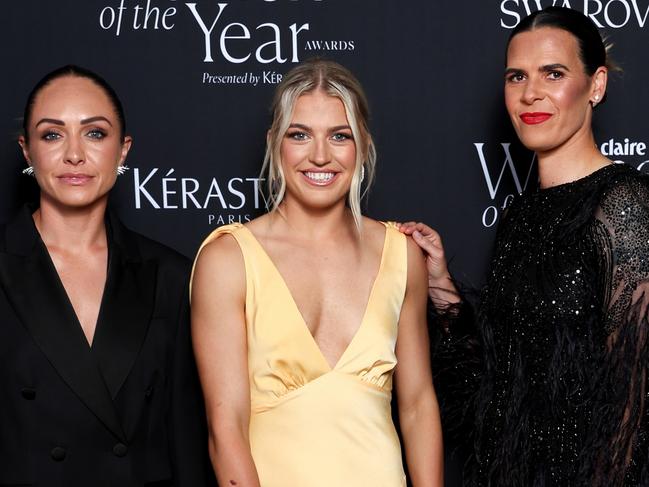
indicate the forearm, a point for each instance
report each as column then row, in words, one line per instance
column 422, row 437
column 231, row 457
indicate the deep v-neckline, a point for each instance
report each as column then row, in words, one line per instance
column 304, row 326
column 67, row 301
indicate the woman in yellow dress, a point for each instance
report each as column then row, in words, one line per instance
column 301, row 317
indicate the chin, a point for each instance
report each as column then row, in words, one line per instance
column 78, row 201
column 323, row 203
column 318, row 197
column 538, row 142
column 539, row 148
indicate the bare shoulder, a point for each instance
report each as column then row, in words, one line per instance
column 221, row 250
column 219, row 266
column 417, row 272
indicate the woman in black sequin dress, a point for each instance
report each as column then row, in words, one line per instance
column 560, row 394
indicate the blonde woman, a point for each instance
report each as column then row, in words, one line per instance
column 300, row 317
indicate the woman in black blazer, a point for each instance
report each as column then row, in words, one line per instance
column 98, row 385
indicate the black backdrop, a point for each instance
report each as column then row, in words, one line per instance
column 196, row 80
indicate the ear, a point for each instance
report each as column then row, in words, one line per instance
column 598, row 87
column 22, row 142
column 126, row 146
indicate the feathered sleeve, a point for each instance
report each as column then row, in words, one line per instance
column 456, row 365
column 619, row 446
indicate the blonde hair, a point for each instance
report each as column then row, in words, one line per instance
column 334, row 80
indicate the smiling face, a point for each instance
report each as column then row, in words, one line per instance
column 547, row 92
column 74, row 143
column 318, row 153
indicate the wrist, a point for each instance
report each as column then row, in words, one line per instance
column 442, row 291
column 442, row 283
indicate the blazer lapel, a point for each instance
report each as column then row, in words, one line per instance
column 38, row 297
column 126, row 309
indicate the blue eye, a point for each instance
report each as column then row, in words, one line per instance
column 297, row 135
column 341, row 137
column 96, row 134
column 50, row 136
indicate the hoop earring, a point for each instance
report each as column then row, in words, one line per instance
column 28, row 171
column 121, row 170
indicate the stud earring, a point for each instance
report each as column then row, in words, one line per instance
column 121, row 170
column 362, row 173
column 28, row 171
column 595, row 100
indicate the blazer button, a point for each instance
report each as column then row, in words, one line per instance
column 120, row 450
column 58, row 453
column 29, row 394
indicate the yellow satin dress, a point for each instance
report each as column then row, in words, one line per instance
column 311, row 425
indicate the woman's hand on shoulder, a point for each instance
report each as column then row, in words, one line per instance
column 431, row 243
column 441, row 289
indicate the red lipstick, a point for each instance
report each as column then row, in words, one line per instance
column 534, row 118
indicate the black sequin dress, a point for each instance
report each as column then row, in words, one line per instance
column 560, row 396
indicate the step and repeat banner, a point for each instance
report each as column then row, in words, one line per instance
column 196, row 79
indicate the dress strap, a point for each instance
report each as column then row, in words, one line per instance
column 395, row 257
column 396, row 243
column 390, row 224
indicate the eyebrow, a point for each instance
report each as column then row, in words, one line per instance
column 308, row 129
column 98, row 118
column 543, row 69
column 50, row 120
column 85, row 121
column 553, row 67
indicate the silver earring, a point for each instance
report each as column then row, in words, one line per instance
column 362, row 173
column 595, row 101
column 122, row 169
column 28, row 171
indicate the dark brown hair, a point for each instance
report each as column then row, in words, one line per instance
column 79, row 72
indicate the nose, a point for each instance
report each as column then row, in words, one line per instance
column 320, row 153
column 74, row 153
column 532, row 91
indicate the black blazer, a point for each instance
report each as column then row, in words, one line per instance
column 127, row 411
